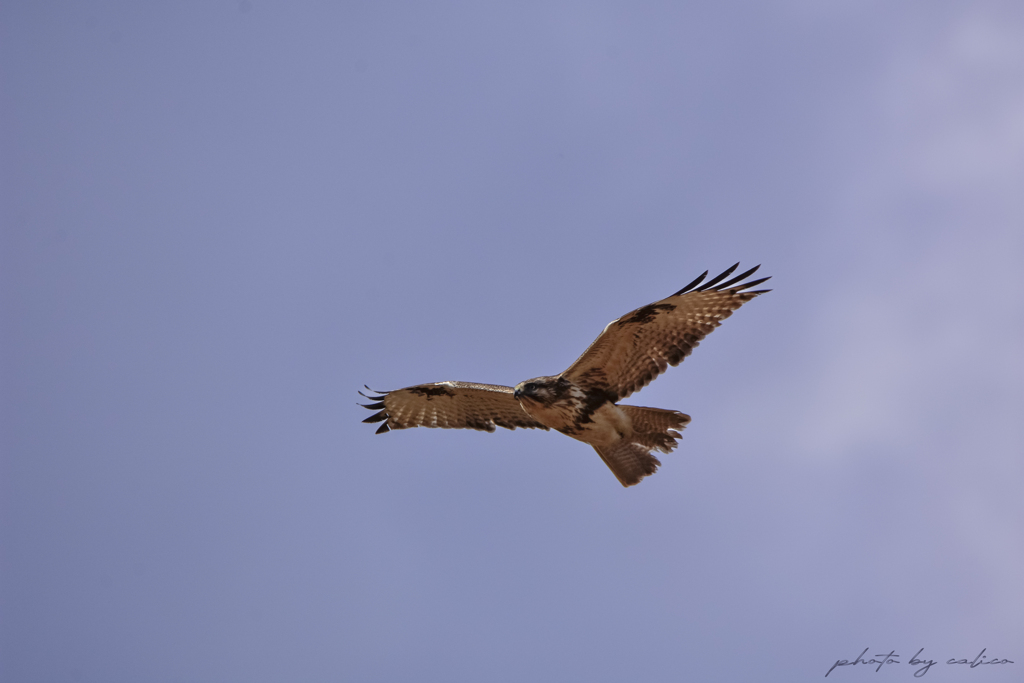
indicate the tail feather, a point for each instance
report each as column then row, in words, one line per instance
column 654, row 429
column 629, row 462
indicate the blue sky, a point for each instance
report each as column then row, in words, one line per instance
column 222, row 219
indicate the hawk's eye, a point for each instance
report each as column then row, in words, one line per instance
column 530, row 387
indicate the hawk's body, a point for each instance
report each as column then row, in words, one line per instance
column 582, row 402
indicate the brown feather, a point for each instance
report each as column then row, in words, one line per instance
column 625, row 357
column 453, row 405
column 629, row 462
column 642, row 344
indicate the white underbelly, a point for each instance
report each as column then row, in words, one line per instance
column 607, row 426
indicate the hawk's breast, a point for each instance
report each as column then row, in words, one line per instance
column 584, row 416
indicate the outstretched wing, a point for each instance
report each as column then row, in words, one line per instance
column 450, row 405
column 640, row 345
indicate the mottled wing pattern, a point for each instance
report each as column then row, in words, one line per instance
column 640, row 345
column 449, row 405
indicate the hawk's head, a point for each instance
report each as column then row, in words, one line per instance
column 542, row 389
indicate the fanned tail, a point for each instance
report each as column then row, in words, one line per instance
column 654, row 429
column 629, row 462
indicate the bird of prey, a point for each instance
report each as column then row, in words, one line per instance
column 583, row 401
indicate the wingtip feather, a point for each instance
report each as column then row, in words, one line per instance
column 753, row 283
column 715, row 280
column 715, row 284
column 739, row 278
column 693, row 284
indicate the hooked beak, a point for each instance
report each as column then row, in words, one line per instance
column 517, row 393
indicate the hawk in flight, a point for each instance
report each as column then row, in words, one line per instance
column 583, row 401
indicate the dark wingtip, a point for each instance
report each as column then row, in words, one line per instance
column 383, row 394
column 378, row 404
column 715, row 284
column 714, row 281
column 753, row 283
column 690, row 286
column 739, row 278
